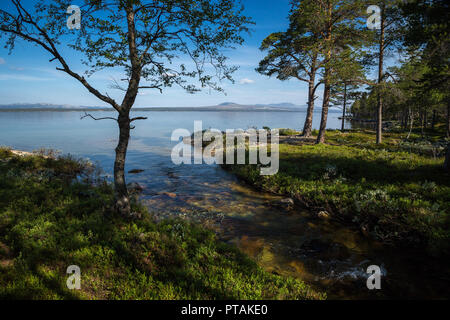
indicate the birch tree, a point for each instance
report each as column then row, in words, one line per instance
column 147, row 40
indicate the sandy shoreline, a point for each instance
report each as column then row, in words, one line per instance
column 21, row 153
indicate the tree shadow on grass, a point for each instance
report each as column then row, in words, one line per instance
column 377, row 170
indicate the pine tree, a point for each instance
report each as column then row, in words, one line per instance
column 296, row 53
column 343, row 32
column 388, row 35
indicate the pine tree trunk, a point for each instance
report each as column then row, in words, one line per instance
column 448, row 120
column 325, row 105
column 344, row 107
column 404, row 121
column 411, row 116
column 447, row 159
column 421, row 120
column 408, row 117
column 433, row 120
column 307, row 128
column 327, row 84
column 380, row 80
column 122, row 199
column 425, row 120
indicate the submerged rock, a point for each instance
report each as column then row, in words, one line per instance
column 172, row 175
column 135, row 187
column 286, row 204
column 365, row 230
column 136, row 171
column 315, row 246
column 323, row 215
column 170, row 194
column 266, row 255
column 324, row 249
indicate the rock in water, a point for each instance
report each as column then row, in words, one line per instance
column 323, row 215
column 170, row 194
column 136, row 171
column 135, row 187
column 286, row 204
column 365, row 230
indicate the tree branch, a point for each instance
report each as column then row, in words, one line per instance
column 51, row 48
column 88, row 115
column 138, row 118
column 152, row 87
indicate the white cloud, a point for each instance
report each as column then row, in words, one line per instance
column 2, row 61
column 246, row 81
column 16, row 68
column 20, row 77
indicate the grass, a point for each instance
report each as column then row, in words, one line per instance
column 56, row 212
column 397, row 194
column 288, row 132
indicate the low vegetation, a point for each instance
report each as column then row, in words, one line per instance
column 396, row 192
column 55, row 212
column 288, row 132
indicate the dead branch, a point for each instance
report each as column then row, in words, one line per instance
column 152, row 87
column 138, row 118
column 88, row 115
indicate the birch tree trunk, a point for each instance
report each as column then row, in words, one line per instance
column 122, row 199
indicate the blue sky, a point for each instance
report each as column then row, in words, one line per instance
column 26, row 76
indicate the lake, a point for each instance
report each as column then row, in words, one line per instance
column 325, row 254
column 150, row 145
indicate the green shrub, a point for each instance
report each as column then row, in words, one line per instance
column 288, row 132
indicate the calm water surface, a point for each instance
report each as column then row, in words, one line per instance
column 325, row 254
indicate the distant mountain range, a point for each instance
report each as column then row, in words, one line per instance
column 45, row 106
column 227, row 106
column 231, row 106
